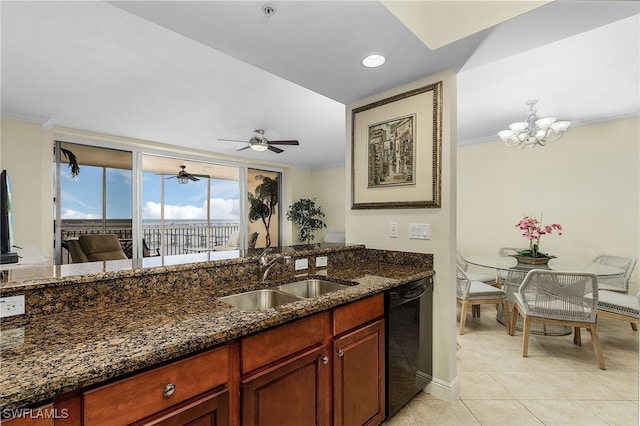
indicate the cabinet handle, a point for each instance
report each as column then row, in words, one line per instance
column 340, row 353
column 168, row 390
column 325, row 360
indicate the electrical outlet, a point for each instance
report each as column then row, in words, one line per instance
column 302, row 264
column 321, row 261
column 11, row 306
column 393, row 230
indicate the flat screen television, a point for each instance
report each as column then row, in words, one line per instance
column 6, row 218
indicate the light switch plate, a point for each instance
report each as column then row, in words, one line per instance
column 393, row 230
column 419, row 231
column 321, row 261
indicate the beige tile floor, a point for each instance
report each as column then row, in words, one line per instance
column 557, row 384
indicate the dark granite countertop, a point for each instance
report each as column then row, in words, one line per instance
column 53, row 354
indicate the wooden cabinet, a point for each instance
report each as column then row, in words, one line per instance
column 290, row 393
column 212, row 409
column 41, row 416
column 358, row 363
column 147, row 394
column 286, row 376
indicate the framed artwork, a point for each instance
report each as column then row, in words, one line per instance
column 396, row 146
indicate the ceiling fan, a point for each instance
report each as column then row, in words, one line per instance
column 184, row 177
column 260, row 143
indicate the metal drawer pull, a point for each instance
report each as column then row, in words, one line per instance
column 168, row 390
column 340, row 352
column 325, row 360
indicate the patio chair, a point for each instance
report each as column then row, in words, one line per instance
column 618, row 283
column 624, row 307
column 505, row 252
column 95, row 247
column 560, row 298
column 476, row 293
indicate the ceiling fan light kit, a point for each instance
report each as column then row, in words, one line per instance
column 260, row 143
column 184, row 177
column 533, row 130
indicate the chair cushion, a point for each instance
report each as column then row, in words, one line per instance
column 480, row 290
column 234, row 239
column 101, row 247
column 624, row 304
column 476, row 276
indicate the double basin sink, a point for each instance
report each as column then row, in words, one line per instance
column 260, row 300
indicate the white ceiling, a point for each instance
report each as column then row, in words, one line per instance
column 188, row 73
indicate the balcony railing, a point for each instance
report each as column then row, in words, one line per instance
column 177, row 239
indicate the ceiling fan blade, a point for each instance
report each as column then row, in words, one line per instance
column 242, row 149
column 292, row 142
column 171, row 177
column 231, row 140
column 193, row 178
column 276, row 150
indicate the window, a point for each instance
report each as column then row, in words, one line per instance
column 96, row 199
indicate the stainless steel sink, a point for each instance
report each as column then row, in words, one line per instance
column 259, row 300
column 311, row 288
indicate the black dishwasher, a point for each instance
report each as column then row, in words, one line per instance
column 408, row 335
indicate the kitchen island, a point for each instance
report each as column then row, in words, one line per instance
column 89, row 324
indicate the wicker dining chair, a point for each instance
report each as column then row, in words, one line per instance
column 618, row 283
column 476, row 293
column 624, row 307
column 475, row 276
column 561, row 298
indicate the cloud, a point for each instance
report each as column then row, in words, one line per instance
column 74, row 214
column 220, row 209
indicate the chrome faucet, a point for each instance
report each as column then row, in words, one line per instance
column 266, row 264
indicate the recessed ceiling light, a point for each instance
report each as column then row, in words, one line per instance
column 373, row 61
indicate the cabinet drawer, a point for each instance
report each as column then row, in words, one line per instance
column 139, row 396
column 271, row 345
column 354, row 314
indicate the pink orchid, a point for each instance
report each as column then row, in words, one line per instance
column 533, row 230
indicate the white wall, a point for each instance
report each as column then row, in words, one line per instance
column 328, row 186
column 588, row 181
column 371, row 227
column 27, row 157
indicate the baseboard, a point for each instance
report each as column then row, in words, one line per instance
column 447, row 391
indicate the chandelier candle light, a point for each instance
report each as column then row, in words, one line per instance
column 533, row 130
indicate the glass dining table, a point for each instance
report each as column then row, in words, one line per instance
column 512, row 274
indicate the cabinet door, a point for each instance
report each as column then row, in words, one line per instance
column 358, row 376
column 292, row 392
column 209, row 410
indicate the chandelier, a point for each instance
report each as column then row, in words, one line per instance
column 533, row 130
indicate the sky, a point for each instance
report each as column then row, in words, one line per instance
column 81, row 196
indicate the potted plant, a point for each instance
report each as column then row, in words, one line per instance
column 533, row 231
column 308, row 217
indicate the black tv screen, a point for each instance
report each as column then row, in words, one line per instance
column 6, row 219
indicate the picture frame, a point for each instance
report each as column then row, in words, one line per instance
column 396, row 150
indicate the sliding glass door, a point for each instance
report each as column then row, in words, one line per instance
column 93, row 195
column 189, row 206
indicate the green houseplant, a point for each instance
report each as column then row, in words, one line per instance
column 308, row 217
